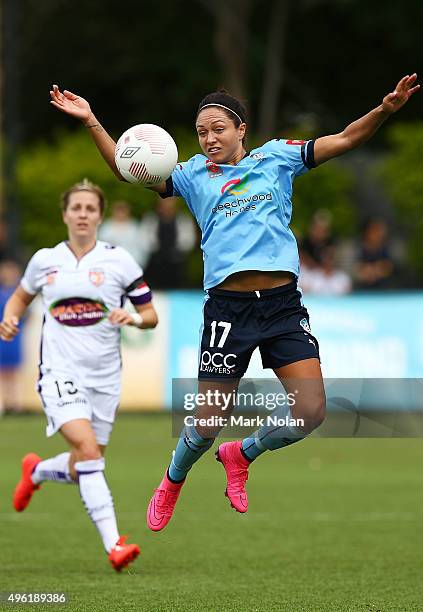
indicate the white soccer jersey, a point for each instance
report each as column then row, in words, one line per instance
column 77, row 338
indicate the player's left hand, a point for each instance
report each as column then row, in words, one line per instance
column 403, row 92
column 120, row 316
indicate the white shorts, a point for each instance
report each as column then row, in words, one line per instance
column 65, row 400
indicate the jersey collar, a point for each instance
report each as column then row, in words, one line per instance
column 66, row 243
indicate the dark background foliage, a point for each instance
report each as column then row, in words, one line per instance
column 304, row 68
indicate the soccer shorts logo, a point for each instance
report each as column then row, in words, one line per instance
column 304, row 324
column 217, row 363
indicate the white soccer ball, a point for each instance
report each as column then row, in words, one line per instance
column 146, row 154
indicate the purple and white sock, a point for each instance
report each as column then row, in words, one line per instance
column 55, row 469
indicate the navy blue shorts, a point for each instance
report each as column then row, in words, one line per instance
column 237, row 322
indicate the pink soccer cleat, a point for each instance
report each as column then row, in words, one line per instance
column 123, row 554
column 25, row 487
column 162, row 504
column 236, row 468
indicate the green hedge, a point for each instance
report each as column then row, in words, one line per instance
column 46, row 169
column 403, row 177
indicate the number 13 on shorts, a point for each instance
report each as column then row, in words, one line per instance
column 226, row 329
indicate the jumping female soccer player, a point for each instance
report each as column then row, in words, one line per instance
column 83, row 283
column 242, row 203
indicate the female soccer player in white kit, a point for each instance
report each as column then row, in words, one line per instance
column 242, row 203
column 83, row 283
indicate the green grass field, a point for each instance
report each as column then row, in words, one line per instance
column 334, row 525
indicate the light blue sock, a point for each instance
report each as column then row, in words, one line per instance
column 191, row 446
column 272, row 436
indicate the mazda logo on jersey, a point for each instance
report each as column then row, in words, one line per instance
column 217, row 363
column 78, row 311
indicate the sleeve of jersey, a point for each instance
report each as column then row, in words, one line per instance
column 30, row 279
column 139, row 292
column 298, row 153
column 135, row 288
column 178, row 184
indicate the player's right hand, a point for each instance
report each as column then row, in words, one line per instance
column 70, row 103
column 403, row 92
column 9, row 328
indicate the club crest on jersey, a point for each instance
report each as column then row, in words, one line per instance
column 304, row 324
column 213, row 169
column 96, row 277
column 259, row 155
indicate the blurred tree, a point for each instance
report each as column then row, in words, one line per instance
column 155, row 61
column 9, row 119
column 231, row 42
column 315, row 62
column 273, row 68
column 342, row 56
column 401, row 171
column 329, row 187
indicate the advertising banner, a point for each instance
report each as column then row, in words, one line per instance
column 361, row 336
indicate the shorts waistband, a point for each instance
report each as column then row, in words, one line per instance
column 262, row 293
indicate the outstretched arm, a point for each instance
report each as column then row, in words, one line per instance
column 78, row 107
column 360, row 131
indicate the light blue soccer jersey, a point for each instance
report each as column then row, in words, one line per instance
column 244, row 211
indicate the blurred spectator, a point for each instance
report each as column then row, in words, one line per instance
column 325, row 279
column 375, row 266
column 168, row 236
column 10, row 352
column 3, row 240
column 121, row 229
column 318, row 237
